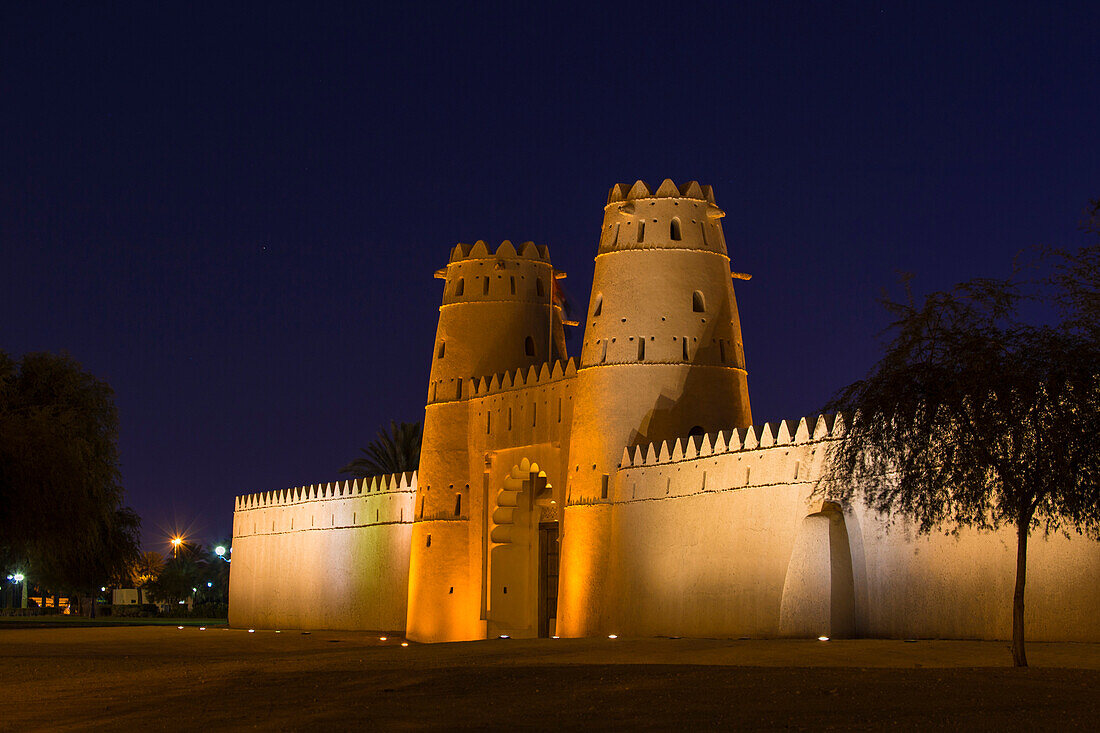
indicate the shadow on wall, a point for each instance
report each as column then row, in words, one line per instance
column 819, row 588
column 703, row 405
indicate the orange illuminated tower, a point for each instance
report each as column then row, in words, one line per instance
column 662, row 359
column 497, row 316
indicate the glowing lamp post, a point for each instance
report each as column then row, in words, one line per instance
column 20, row 578
column 220, row 552
column 176, row 542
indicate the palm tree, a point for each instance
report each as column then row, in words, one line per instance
column 395, row 451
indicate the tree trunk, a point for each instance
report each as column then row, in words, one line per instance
column 1023, row 527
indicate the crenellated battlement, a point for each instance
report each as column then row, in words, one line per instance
column 395, row 483
column 479, row 250
column 667, row 190
column 448, row 390
column 766, row 435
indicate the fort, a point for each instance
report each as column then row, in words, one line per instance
column 626, row 491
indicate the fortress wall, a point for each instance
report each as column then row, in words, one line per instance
column 718, row 540
column 332, row 556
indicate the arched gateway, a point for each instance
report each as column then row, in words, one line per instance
column 523, row 555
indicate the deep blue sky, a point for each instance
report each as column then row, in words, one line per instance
column 233, row 214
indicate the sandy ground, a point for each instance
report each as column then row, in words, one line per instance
column 172, row 679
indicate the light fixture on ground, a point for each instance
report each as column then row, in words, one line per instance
column 822, row 638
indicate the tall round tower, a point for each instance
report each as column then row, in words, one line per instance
column 497, row 316
column 662, row 359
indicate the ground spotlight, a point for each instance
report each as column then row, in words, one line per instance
column 404, row 643
column 822, row 638
column 612, row 636
column 252, row 631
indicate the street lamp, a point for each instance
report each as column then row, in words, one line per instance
column 20, row 578
column 220, row 552
column 176, row 542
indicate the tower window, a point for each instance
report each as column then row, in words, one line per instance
column 687, row 356
column 674, row 230
column 440, row 350
column 603, row 356
column 458, row 505
column 598, row 308
column 485, row 287
column 603, row 486
column 698, row 305
column 460, row 285
column 513, row 283
column 529, row 346
column 539, row 289
column 722, row 349
column 641, row 348
column 641, row 230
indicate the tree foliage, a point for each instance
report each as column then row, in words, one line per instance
column 61, row 510
column 977, row 417
column 395, row 451
column 146, row 569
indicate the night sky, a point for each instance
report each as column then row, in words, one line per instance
column 232, row 215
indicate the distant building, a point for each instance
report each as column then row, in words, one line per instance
column 626, row 491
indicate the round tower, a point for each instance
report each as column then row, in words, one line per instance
column 497, row 316
column 662, row 359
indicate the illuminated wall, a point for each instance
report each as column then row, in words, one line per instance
column 331, row 556
column 719, row 537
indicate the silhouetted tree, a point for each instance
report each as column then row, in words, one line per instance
column 181, row 575
column 974, row 418
column 395, row 451
column 61, row 509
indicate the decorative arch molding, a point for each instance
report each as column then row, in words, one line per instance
column 518, row 594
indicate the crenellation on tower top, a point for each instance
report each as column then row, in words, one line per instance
column 479, row 250
column 621, row 192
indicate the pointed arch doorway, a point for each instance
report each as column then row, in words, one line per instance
column 523, row 555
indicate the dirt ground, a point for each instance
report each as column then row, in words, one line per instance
column 191, row 679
